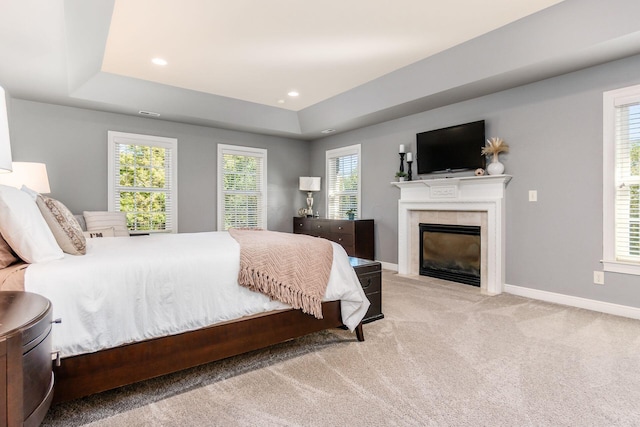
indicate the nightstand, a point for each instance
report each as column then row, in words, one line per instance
column 26, row 377
column 370, row 275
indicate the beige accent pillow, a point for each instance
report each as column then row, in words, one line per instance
column 63, row 225
column 100, row 220
column 7, row 256
column 104, row 232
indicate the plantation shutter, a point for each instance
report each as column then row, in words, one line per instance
column 343, row 182
column 242, row 195
column 143, row 181
column 627, row 182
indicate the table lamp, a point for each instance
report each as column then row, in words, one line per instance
column 309, row 184
column 32, row 175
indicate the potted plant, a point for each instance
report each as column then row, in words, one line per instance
column 351, row 213
column 401, row 176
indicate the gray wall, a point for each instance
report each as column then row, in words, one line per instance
column 73, row 144
column 554, row 129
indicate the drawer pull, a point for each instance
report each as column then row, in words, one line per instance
column 319, row 226
column 340, row 228
column 58, row 320
column 368, row 283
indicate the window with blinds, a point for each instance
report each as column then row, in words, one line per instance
column 343, row 182
column 622, row 180
column 242, row 187
column 143, row 181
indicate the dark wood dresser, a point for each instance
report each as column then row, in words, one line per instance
column 370, row 276
column 355, row 236
column 26, row 377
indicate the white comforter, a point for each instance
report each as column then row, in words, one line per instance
column 130, row 289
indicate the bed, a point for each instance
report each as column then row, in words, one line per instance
column 133, row 308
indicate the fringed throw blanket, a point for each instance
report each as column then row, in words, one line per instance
column 291, row 268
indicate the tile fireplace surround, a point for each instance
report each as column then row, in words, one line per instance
column 478, row 201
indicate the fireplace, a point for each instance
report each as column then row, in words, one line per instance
column 478, row 201
column 450, row 252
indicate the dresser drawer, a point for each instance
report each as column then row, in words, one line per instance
column 344, row 239
column 342, row 227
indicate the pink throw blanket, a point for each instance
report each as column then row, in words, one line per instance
column 291, row 268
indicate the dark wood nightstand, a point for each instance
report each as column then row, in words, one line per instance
column 26, row 378
column 370, row 276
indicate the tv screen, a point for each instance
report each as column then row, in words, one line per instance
column 451, row 149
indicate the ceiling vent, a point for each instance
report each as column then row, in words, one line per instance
column 328, row 131
column 148, row 113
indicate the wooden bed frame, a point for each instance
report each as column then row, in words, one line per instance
column 86, row 374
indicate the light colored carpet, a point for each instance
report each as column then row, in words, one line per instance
column 444, row 355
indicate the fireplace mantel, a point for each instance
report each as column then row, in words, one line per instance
column 460, row 194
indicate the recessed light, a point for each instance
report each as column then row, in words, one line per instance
column 159, row 61
column 328, row 131
column 293, row 93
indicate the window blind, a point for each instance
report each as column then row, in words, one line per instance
column 627, row 183
column 143, row 181
column 343, row 182
column 242, row 172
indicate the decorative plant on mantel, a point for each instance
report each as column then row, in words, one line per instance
column 401, row 175
column 494, row 147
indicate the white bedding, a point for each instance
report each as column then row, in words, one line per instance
column 130, row 289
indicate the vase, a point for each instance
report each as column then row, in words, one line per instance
column 495, row 167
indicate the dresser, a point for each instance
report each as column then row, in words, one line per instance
column 355, row 236
column 26, row 378
column 370, row 276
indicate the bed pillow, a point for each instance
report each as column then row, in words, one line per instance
column 63, row 225
column 102, row 232
column 7, row 256
column 24, row 228
column 101, row 220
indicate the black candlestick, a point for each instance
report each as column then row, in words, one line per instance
column 401, row 162
column 409, row 171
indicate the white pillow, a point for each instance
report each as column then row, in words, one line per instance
column 24, row 228
column 101, row 220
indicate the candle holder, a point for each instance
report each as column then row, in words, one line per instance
column 409, row 171
column 401, row 162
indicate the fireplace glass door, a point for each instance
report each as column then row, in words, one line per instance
column 450, row 252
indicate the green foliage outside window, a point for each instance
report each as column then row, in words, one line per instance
column 142, row 168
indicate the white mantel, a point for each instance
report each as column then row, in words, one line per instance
column 462, row 194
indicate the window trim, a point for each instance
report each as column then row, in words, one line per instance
column 114, row 137
column 612, row 99
column 339, row 152
column 240, row 151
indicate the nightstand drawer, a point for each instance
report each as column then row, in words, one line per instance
column 371, row 283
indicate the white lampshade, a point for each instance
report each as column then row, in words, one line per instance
column 32, row 175
column 310, row 183
column 5, row 143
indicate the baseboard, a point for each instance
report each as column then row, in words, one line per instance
column 589, row 304
column 389, row 266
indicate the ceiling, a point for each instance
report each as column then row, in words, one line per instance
column 353, row 63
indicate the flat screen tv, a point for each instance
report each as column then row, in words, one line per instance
column 451, row 149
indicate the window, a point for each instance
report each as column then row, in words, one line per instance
column 143, row 181
column 242, row 187
column 343, row 182
column 622, row 180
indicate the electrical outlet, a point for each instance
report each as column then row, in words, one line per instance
column 533, row 195
column 598, row 277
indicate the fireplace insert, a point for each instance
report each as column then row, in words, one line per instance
column 450, row 252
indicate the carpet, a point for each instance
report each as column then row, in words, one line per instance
column 444, row 355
